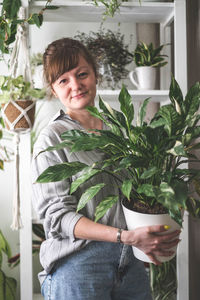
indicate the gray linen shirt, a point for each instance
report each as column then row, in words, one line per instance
column 53, row 202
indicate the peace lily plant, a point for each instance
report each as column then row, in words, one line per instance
column 151, row 156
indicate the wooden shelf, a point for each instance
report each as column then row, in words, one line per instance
column 81, row 11
column 161, row 96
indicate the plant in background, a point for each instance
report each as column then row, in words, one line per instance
column 9, row 20
column 36, row 60
column 111, row 6
column 147, row 55
column 5, row 152
column 7, row 284
column 18, row 89
column 110, row 52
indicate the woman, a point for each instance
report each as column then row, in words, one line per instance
column 83, row 259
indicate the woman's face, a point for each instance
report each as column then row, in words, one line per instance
column 76, row 88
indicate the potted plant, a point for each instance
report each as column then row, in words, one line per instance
column 110, row 52
column 17, row 101
column 147, row 59
column 148, row 155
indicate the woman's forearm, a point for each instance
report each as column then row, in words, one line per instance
column 89, row 230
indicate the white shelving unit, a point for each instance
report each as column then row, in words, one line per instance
column 82, row 11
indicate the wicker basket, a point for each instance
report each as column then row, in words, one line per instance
column 18, row 115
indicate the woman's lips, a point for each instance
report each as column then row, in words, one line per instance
column 79, row 95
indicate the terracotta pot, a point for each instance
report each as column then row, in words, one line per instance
column 18, row 115
column 135, row 220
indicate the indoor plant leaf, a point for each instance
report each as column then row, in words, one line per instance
column 104, row 205
column 61, row 171
column 89, row 194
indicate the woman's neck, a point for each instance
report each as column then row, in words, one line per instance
column 86, row 120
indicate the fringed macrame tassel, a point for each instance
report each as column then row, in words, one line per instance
column 16, row 222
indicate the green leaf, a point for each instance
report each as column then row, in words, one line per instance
column 38, row 230
column 36, row 19
column 60, row 172
column 146, row 189
column 89, row 194
column 192, row 101
column 127, row 187
column 149, row 173
column 7, row 287
column 171, row 119
column 52, row 7
column 126, row 105
column 4, row 246
column 175, row 93
column 11, row 8
column 88, row 173
column 105, row 204
column 142, row 112
column 177, row 150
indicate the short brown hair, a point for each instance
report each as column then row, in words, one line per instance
column 62, row 56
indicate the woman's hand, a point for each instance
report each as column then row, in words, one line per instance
column 149, row 240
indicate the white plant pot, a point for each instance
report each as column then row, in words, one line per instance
column 135, row 220
column 143, row 78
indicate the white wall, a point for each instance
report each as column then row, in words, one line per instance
column 39, row 39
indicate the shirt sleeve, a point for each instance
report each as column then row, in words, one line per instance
column 52, row 201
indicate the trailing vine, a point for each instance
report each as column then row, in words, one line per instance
column 9, row 20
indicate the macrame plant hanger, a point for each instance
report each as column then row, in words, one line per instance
column 19, row 65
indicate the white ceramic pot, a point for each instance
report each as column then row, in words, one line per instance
column 135, row 220
column 143, row 78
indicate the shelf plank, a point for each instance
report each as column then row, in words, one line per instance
column 80, row 11
column 160, row 96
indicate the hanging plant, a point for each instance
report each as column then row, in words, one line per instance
column 9, row 20
column 18, row 95
column 111, row 6
column 110, row 52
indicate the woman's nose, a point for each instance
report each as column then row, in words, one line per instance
column 75, row 83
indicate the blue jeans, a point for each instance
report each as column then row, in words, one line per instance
column 100, row 271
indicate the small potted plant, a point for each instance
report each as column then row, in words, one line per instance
column 148, row 155
column 147, row 59
column 17, row 99
column 110, row 52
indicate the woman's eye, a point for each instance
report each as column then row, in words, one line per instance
column 82, row 74
column 62, row 81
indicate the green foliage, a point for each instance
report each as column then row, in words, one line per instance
column 163, row 280
column 110, row 51
column 147, row 55
column 111, row 6
column 7, row 284
column 18, row 89
column 9, row 20
column 5, row 152
column 149, row 155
